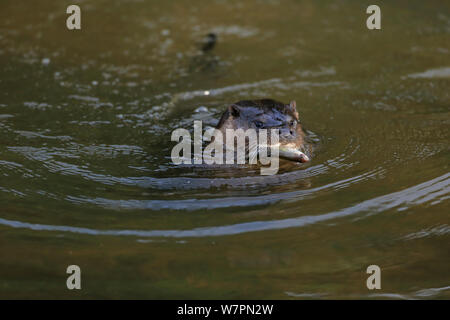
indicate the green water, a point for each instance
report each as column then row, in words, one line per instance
column 86, row 176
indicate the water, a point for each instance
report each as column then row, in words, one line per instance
column 86, row 175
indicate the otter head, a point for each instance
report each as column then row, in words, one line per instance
column 269, row 114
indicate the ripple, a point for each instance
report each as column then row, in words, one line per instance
column 443, row 72
column 306, row 295
column 420, row 294
column 241, row 32
column 429, row 232
column 282, row 84
column 408, row 197
column 46, row 157
column 215, row 203
column 32, row 135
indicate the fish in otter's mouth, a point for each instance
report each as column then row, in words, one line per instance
column 268, row 114
column 291, row 153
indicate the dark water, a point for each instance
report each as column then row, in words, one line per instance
column 86, row 176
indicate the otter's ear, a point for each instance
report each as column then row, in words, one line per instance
column 234, row 110
column 293, row 107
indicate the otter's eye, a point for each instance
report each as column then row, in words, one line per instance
column 258, row 124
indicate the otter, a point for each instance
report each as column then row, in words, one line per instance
column 269, row 114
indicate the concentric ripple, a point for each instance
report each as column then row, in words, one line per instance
column 435, row 191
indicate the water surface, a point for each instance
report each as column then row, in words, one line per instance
column 86, row 176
